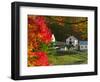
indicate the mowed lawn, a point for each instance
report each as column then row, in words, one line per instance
column 68, row 58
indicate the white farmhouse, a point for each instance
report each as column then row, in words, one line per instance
column 72, row 40
column 83, row 45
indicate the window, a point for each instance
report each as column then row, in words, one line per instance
column 81, row 46
column 85, row 46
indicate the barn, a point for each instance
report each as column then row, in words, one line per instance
column 72, row 40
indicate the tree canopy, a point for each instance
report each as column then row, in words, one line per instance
column 63, row 27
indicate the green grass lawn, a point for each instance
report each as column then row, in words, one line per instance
column 68, row 58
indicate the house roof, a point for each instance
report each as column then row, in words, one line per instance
column 83, row 42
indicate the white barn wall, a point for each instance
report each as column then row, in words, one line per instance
column 73, row 39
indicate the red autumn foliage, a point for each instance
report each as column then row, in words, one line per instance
column 41, row 59
column 44, row 33
column 38, row 33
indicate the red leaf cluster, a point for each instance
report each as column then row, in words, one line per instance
column 44, row 32
column 38, row 33
column 41, row 59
